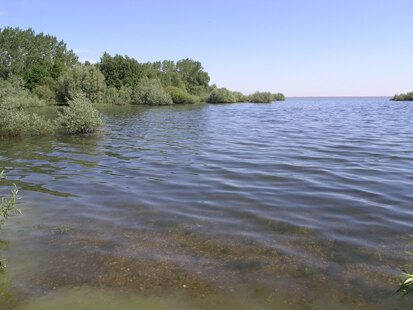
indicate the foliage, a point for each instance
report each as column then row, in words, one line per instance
column 120, row 71
column 118, row 97
column 80, row 116
column 151, row 92
column 261, row 97
column 221, row 95
column 403, row 97
column 192, row 73
column 407, row 286
column 179, row 95
column 32, row 56
column 81, row 78
column 278, row 97
column 8, row 204
column 46, row 92
column 172, row 79
column 265, row 97
column 18, row 122
column 13, row 95
column 239, row 97
column 36, row 74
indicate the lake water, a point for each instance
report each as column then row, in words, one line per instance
column 302, row 204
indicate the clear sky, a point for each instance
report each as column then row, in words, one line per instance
column 298, row 47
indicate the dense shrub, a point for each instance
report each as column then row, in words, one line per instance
column 239, row 97
column 221, row 95
column 45, row 93
column 151, row 92
column 125, row 95
column 116, row 96
column 17, row 122
column 179, row 95
column 261, row 97
column 172, row 79
column 403, row 97
column 120, row 71
column 80, row 116
column 278, row 97
column 80, row 78
column 14, row 96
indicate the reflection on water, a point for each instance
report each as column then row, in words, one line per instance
column 304, row 204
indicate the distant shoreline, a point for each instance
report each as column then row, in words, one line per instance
column 287, row 97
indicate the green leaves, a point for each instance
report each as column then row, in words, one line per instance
column 221, row 95
column 8, row 204
column 32, row 56
column 151, row 92
column 81, row 78
column 80, row 117
column 403, row 97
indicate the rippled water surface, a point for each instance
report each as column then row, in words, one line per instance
column 302, row 204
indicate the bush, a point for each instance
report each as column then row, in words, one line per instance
column 179, row 95
column 125, row 95
column 14, row 96
column 46, row 91
column 80, row 116
column 118, row 97
column 239, row 97
column 15, row 122
column 80, row 78
column 221, row 95
column 403, row 97
column 151, row 92
column 261, row 97
column 8, row 205
column 278, row 97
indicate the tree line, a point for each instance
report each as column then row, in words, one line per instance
column 39, row 70
column 403, row 97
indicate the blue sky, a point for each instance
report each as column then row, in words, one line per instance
column 298, row 47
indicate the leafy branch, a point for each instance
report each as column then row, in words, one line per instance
column 8, row 204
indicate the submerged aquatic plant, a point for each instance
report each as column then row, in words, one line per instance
column 407, row 286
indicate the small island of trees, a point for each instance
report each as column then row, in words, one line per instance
column 403, row 97
column 38, row 70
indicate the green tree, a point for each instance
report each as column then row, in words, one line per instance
column 80, row 116
column 261, row 97
column 151, row 92
column 221, row 95
column 120, row 71
column 120, row 96
column 192, row 73
column 81, row 78
column 179, row 95
column 21, row 50
column 239, row 97
column 172, row 78
column 36, row 74
column 403, row 97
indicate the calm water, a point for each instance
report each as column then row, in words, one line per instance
column 302, row 204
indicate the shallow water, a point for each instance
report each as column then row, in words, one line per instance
column 302, row 204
